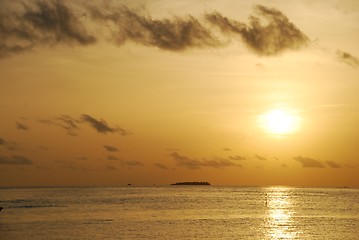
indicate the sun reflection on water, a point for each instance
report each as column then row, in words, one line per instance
column 280, row 223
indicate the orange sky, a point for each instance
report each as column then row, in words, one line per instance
column 112, row 92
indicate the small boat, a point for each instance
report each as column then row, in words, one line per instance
column 1, row 208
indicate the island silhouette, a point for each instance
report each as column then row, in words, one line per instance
column 191, row 183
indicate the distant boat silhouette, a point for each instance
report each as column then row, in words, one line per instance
column 1, row 208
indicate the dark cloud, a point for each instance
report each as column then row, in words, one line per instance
column 101, row 126
column 161, row 166
column 70, row 124
column 192, row 163
column 309, row 162
column 15, row 160
column 174, row 34
column 237, row 158
column 348, row 58
column 25, row 25
column 133, row 163
column 56, row 21
column 272, row 38
column 333, row 164
column 110, row 157
column 21, row 126
column 111, row 148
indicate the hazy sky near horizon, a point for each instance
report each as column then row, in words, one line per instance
column 155, row 92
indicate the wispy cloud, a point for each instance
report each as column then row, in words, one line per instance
column 237, row 158
column 43, row 148
column 134, row 163
column 347, row 58
column 75, row 167
column 259, row 157
column 161, row 166
column 15, row 160
column 309, row 162
column 9, row 145
column 2, row 141
column 174, row 34
column 275, row 37
column 112, row 158
column 21, row 126
column 193, row 163
column 111, row 148
column 333, row 164
column 70, row 124
column 110, row 168
column 101, row 126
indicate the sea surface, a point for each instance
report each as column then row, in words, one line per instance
column 179, row 212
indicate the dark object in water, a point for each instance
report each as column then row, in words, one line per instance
column 191, row 183
column 1, row 208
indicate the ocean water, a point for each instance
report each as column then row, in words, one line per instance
column 179, row 212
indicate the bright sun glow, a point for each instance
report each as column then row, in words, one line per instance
column 279, row 122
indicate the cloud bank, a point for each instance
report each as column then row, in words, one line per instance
column 25, row 25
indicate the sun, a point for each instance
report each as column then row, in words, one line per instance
column 279, row 122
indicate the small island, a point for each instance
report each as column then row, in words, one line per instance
column 191, row 183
